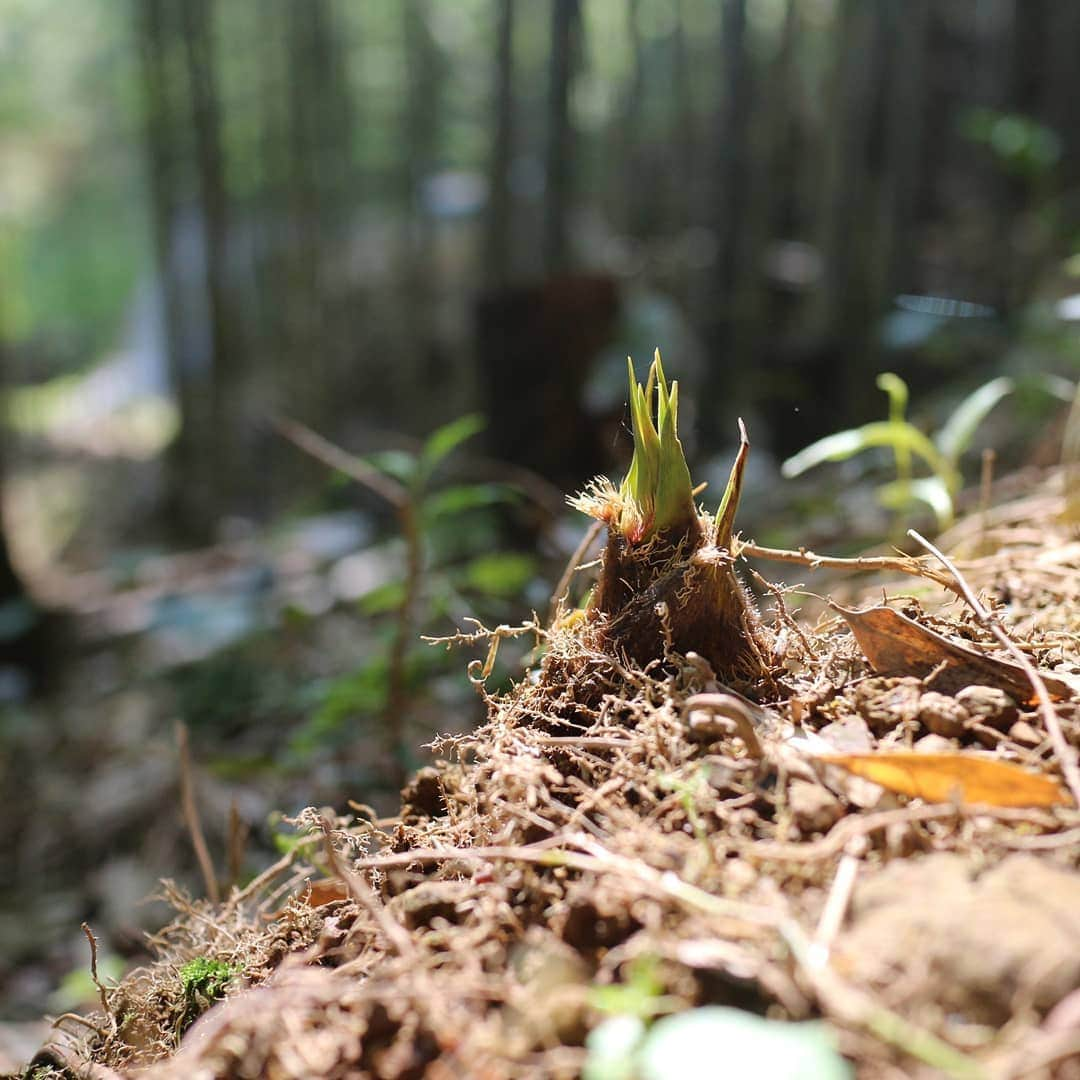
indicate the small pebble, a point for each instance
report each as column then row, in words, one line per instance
column 990, row 706
column 942, row 715
column 1023, row 733
column 886, row 703
column 934, row 744
column 813, row 808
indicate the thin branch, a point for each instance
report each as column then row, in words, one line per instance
column 902, row 564
column 584, row 742
column 76, row 1018
column 855, row 825
column 238, row 834
column 191, row 814
column 397, row 693
column 405, row 503
column 1064, row 753
column 262, row 879
column 314, row 445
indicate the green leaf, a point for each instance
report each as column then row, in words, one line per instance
column 399, row 464
column 839, row 446
column 386, row 597
column 359, row 693
column 674, row 490
column 464, row 497
column 640, row 995
column 930, row 490
column 845, row 444
column 1055, row 385
column 443, row 441
column 500, row 574
column 692, row 1044
column 957, row 432
column 725, row 514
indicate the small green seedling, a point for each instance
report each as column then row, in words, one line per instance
column 940, row 454
column 443, row 571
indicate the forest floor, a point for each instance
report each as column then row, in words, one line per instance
column 886, row 842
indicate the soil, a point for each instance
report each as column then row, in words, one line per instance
column 568, row 839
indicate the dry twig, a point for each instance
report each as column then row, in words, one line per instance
column 901, row 564
column 103, row 995
column 191, row 814
column 404, row 504
column 558, row 594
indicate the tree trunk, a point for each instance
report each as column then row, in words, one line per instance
column 220, row 435
column 565, row 31
column 732, row 144
column 499, row 245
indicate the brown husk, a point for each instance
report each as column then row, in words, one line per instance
column 681, row 596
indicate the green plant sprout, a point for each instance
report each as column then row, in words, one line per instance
column 666, row 577
column 940, row 453
column 656, row 493
column 440, row 564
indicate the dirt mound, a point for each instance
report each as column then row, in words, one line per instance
column 661, row 820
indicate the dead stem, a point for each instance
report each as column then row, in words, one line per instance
column 191, row 814
column 238, row 834
column 103, row 995
column 837, row 997
column 1065, row 755
column 397, row 694
column 731, row 708
column 839, row 898
column 902, row 564
column 314, row 445
column 258, row 883
column 559, row 593
column 782, row 613
column 86, row 1023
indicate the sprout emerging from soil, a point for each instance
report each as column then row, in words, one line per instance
column 667, row 581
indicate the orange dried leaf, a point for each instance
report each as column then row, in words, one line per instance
column 318, row 893
column 945, row 777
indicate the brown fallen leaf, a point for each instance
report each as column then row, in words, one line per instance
column 945, row 777
column 895, row 644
